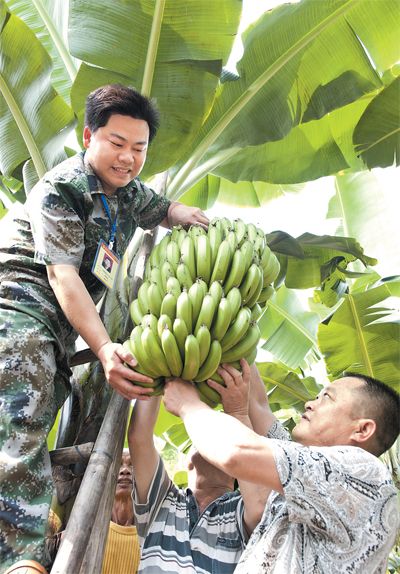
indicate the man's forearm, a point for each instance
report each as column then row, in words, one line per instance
column 78, row 306
column 261, row 416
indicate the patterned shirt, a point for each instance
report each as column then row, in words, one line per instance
column 176, row 538
column 61, row 222
column 338, row 514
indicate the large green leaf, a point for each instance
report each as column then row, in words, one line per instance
column 362, row 337
column 377, row 134
column 288, row 329
column 34, row 119
column 47, row 19
column 171, row 49
column 363, row 205
column 300, row 62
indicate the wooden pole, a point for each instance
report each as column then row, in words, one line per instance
column 76, row 536
column 93, row 560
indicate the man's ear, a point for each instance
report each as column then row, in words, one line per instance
column 364, row 431
column 87, row 134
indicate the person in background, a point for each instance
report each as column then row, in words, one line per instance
column 333, row 506
column 204, row 528
column 122, row 551
column 51, row 278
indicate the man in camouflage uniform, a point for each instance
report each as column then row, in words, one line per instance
column 48, row 295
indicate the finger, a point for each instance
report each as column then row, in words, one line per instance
column 246, row 371
column 130, row 392
column 126, row 356
column 217, row 387
column 131, row 375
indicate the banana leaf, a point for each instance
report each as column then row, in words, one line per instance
column 289, row 331
column 35, row 120
column 295, row 69
column 377, row 135
column 171, row 50
column 363, row 207
column 48, row 20
column 353, row 339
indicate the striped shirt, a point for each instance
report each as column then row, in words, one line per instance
column 175, row 538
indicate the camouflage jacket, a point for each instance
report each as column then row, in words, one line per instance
column 62, row 222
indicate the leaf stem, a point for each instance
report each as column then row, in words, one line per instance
column 151, row 55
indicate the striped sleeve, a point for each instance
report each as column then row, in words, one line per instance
column 146, row 512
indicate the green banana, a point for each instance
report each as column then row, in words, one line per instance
column 150, row 320
column 252, row 232
column 259, row 245
column 204, row 338
column 187, row 256
column 237, row 330
column 203, row 257
column 181, row 236
column 216, row 291
column 222, row 320
column 171, row 351
column 256, row 312
column 208, row 395
column 153, row 350
column 196, row 296
column 175, row 232
column 136, row 312
column 154, row 257
column 252, row 356
column 215, row 239
column 180, row 332
column 143, row 297
column 226, row 226
column 207, row 312
column 167, row 271
column 154, row 299
column 271, row 270
column 244, row 347
column 248, row 253
column 163, row 321
column 253, row 297
column 139, row 353
column 236, row 272
column 266, row 294
column 192, row 358
column 250, row 282
column 240, row 230
column 235, row 299
column 211, row 364
column 222, row 262
column 232, row 240
column 173, row 254
column 184, row 310
column 183, row 276
column 162, row 247
column 173, row 286
column 168, row 306
column 155, row 277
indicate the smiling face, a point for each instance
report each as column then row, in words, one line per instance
column 117, row 151
column 333, row 417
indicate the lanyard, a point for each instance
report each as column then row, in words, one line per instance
column 113, row 223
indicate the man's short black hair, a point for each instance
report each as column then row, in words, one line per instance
column 382, row 406
column 119, row 99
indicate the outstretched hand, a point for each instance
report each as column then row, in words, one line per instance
column 179, row 214
column 178, row 394
column 113, row 357
column 235, row 393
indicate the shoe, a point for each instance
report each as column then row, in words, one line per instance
column 26, row 567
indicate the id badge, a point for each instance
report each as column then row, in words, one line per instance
column 105, row 265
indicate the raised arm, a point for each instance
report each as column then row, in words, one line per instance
column 221, row 439
column 143, row 452
column 261, row 416
column 240, row 400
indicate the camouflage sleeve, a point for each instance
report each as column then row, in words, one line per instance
column 57, row 228
column 153, row 208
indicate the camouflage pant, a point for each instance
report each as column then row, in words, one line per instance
column 32, row 389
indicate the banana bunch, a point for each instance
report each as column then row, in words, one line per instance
column 198, row 305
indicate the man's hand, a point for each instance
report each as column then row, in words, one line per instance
column 179, row 214
column 112, row 357
column 179, row 394
column 235, row 394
